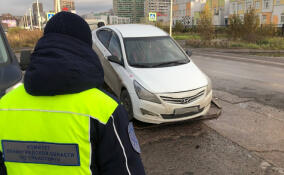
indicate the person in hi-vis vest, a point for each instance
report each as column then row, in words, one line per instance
column 59, row 121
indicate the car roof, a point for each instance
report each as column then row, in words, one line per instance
column 137, row 30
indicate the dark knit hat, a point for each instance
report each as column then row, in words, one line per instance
column 69, row 24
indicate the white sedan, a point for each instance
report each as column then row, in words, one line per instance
column 153, row 76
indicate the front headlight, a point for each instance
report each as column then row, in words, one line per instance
column 143, row 94
column 209, row 86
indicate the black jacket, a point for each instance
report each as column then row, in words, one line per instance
column 62, row 64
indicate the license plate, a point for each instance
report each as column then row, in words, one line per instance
column 194, row 109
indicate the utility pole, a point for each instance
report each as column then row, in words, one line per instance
column 38, row 15
column 27, row 20
column 55, row 6
column 58, row 6
column 24, row 20
column 171, row 18
column 31, row 19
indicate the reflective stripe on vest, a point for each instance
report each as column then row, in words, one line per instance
column 50, row 134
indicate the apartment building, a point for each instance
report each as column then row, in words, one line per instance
column 160, row 7
column 220, row 11
column 8, row 20
column 65, row 5
column 133, row 9
column 269, row 11
column 187, row 11
column 278, row 12
column 111, row 20
column 182, row 12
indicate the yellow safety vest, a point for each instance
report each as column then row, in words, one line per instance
column 50, row 134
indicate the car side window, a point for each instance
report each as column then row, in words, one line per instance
column 104, row 36
column 3, row 51
column 114, row 46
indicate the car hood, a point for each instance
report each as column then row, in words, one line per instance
column 170, row 79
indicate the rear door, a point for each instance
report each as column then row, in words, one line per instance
column 108, row 45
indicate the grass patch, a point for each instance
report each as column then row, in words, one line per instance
column 273, row 43
column 20, row 38
column 276, row 42
column 185, row 36
column 194, row 40
column 241, row 44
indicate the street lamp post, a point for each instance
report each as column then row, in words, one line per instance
column 26, row 20
column 58, row 6
column 31, row 20
column 171, row 18
column 38, row 15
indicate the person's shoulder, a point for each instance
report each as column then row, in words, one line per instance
column 119, row 110
column 110, row 95
column 14, row 95
column 98, row 94
column 100, row 103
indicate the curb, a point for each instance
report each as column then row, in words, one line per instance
column 230, row 50
column 238, row 58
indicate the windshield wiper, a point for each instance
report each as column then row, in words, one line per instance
column 170, row 63
column 141, row 65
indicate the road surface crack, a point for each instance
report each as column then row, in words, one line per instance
column 238, row 102
column 267, row 151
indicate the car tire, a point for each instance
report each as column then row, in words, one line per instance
column 126, row 102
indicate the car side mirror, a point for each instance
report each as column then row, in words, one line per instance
column 188, row 52
column 101, row 24
column 114, row 59
column 25, row 59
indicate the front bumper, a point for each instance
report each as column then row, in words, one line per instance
column 164, row 112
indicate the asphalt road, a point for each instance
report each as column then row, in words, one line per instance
column 251, row 91
column 262, row 82
column 246, row 139
column 195, row 149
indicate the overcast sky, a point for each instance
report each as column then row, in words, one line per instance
column 19, row 7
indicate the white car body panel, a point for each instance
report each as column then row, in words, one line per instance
column 171, row 79
column 175, row 81
column 138, row 30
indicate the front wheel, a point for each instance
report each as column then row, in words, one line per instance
column 126, row 102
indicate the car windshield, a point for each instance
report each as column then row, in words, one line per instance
column 153, row 52
column 3, row 51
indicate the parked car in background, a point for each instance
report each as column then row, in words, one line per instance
column 10, row 73
column 153, row 76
